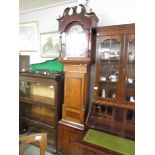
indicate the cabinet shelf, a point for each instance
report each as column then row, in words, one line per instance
column 130, row 103
column 108, row 82
column 111, row 61
column 39, row 100
column 130, row 84
column 131, row 63
column 44, row 121
column 127, row 105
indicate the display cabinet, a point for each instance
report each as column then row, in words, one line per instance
column 41, row 97
column 115, row 65
column 113, row 106
column 110, row 124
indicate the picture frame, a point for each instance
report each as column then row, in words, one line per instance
column 28, row 36
column 50, row 44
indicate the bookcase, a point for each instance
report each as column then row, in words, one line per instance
column 113, row 106
column 112, row 112
column 41, row 97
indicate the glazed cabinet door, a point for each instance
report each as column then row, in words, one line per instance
column 37, row 97
column 108, row 67
column 36, row 90
column 129, row 70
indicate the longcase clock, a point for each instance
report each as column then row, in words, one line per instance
column 77, row 27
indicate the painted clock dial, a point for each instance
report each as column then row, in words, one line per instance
column 76, row 42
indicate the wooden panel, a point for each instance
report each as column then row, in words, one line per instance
column 120, row 29
column 91, row 149
column 73, row 115
column 74, row 90
column 67, row 137
column 37, row 78
column 74, row 97
column 76, row 68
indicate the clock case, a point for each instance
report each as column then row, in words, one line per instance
column 76, row 79
column 88, row 21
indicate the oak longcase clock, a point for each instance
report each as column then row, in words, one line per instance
column 77, row 28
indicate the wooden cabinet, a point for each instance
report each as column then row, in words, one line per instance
column 67, row 139
column 41, row 100
column 113, row 107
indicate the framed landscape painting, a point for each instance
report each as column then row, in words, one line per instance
column 50, row 44
column 28, row 37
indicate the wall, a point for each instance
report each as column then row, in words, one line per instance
column 111, row 12
column 29, row 4
column 46, row 18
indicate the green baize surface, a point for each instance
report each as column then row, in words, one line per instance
column 115, row 143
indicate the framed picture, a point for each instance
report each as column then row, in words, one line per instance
column 50, row 44
column 28, row 37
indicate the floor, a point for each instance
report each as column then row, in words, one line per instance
column 33, row 150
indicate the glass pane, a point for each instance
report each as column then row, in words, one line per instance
column 103, row 111
column 130, row 116
column 38, row 114
column 109, row 57
column 35, row 91
column 130, row 72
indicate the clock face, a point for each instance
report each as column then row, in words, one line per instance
column 76, row 42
